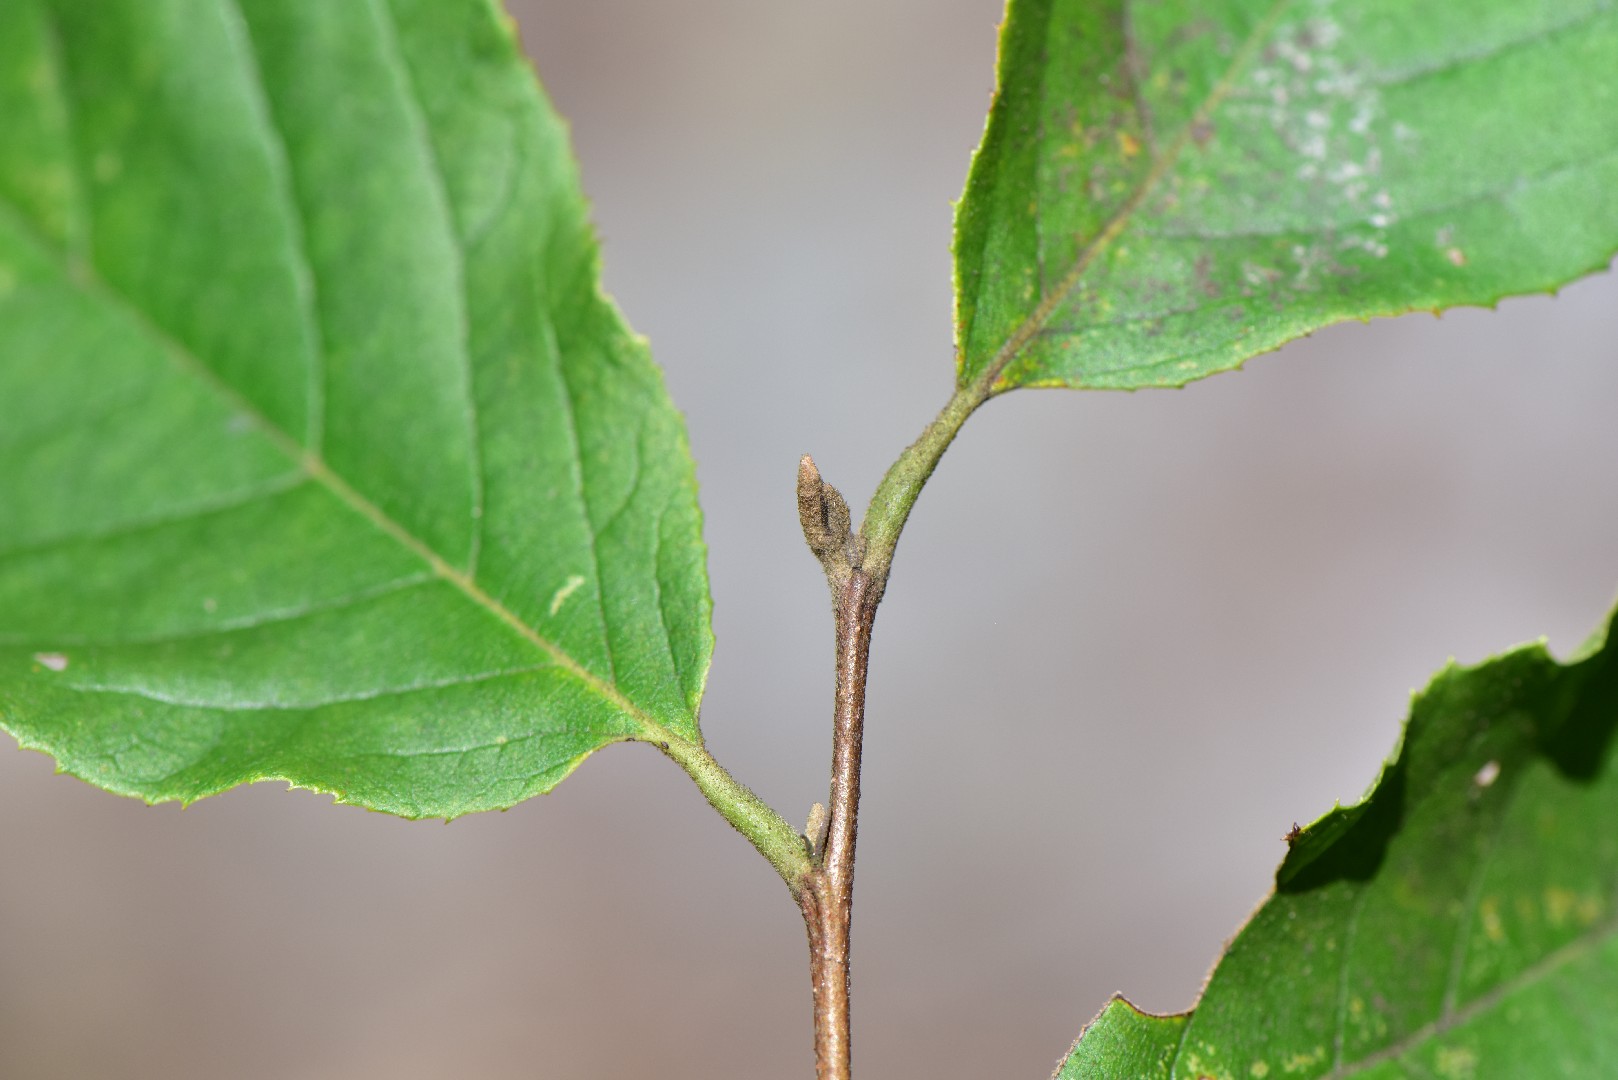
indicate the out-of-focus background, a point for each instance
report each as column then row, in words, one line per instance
column 1129, row 641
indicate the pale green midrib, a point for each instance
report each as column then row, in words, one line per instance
column 1030, row 327
column 310, row 460
column 1048, row 306
column 309, row 292
column 1035, row 323
column 92, row 284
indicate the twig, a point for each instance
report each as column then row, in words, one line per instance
column 857, row 566
column 827, row 897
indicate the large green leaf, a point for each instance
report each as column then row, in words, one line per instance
column 1460, row 923
column 322, row 456
column 1168, row 187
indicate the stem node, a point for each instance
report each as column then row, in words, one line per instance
column 827, row 894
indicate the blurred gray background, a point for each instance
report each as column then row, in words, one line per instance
column 1129, row 641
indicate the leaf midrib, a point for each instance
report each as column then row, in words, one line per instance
column 77, row 265
column 1034, row 323
column 84, row 277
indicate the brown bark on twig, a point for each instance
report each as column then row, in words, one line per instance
column 827, row 897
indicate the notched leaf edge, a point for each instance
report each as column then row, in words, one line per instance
column 1349, row 841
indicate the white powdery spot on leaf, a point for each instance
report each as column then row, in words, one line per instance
column 54, row 661
column 1327, row 117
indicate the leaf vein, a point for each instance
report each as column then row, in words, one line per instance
column 254, row 621
column 440, row 183
column 285, row 185
column 580, row 496
column 1544, row 968
column 500, row 745
column 1469, row 910
column 1501, row 194
column 1350, row 940
column 662, row 602
column 1029, row 328
column 317, row 470
column 1135, row 70
column 374, row 694
column 1478, row 56
column 217, row 504
column 80, row 231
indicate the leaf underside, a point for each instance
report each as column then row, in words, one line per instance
column 1168, row 187
column 322, row 456
column 1460, row 923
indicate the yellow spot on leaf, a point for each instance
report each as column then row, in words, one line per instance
column 1489, row 913
column 568, row 589
column 1259, row 1070
column 1298, row 1063
column 1128, row 145
column 1559, row 905
column 1456, row 1063
column 1564, row 905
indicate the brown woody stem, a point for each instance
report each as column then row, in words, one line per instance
column 856, row 566
column 827, row 897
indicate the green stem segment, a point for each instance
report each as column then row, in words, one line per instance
column 857, row 570
column 890, row 507
column 764, row 828
column 821, row 877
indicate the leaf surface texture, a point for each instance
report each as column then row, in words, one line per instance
column 1461, row 922
column 1169, row 187
column 322, row 455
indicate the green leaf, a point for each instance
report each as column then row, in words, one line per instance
column 1125, row 1042
column 1461, row 922
column 1167, row 188
column 322, row 456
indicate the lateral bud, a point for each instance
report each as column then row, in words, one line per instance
column 814, row 833
column 827, row 526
